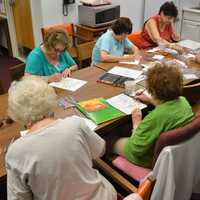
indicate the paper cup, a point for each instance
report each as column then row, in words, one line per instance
column 130, row 87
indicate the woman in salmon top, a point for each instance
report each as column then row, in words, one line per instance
column 159, row 29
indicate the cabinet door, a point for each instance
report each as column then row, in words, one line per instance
column 190, row 30
column 23, row 23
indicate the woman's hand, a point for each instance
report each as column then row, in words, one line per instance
column 66, row 73
column 139, row 95
column 55, row 78
column 136, row 117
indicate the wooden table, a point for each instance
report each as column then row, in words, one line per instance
column 91, row 89
column 146, row 59
column 6, row 134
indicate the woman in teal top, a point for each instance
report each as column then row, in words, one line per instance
column 51, row 60
column 164, row 83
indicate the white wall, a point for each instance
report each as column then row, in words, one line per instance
column 134, row 9
column 37, row 20
column 47, row 12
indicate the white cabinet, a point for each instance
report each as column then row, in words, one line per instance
column 190, row 28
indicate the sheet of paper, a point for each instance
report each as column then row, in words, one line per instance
column 70, row 84
column 189, row 44
column 181, row 63
column 135, row 62
column 190, row 76
column 171, row 51
column 189, row 55
column 125, row 103
column 158, row 57
column 150, row 64
column 122, row 71
column 23, row 133
column 88, row 122
column 140, row 78
column 153, row 50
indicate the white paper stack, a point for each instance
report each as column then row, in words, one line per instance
column 158, row 57
column 135, row 62
column 122, row 71
column 189, row 44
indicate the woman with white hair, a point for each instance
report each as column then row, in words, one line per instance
column 53, row 161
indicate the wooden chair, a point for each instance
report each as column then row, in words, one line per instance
column 79, row 52
column 134, row 37
column 69, row 29
column 166, row 139
column 143, row 192
column 192, row 92
column 84, row 52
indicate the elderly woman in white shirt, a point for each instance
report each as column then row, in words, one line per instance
column 53, row 161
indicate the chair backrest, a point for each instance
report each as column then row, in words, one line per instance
column 134, row 37
column 176, row 136
column 84, row 51
column 67, row 27
column 192, row 92
column 177, row 171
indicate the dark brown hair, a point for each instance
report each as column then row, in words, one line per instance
column 169, row 9
column 122, row 25
column 55, row 36
column 165, row 82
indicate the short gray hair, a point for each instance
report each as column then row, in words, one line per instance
column 30, row 100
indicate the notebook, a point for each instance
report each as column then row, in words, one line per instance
column 98, row 110
column 113, row 79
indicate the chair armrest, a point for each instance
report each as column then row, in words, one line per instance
column 145, row 189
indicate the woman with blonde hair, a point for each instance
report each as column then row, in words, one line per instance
column 51, row 60
column 53, row 161
column 164, row 83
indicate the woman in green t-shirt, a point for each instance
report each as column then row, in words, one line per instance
column 51, row 61
column 164, row 83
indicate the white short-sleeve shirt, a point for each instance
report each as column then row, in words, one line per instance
column 55, row 163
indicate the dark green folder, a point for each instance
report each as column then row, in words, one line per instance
column 103, row 114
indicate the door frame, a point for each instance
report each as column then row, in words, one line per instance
column 12, row 32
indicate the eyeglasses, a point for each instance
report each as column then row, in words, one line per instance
column 59, row 50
